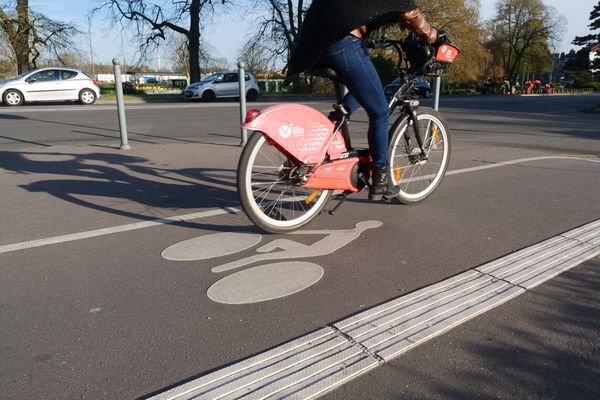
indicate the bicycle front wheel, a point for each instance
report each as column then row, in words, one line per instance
column 270, row 189
column 415, row 174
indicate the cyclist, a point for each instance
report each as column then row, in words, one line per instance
column 332, row 35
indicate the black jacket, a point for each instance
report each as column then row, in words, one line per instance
column 328, row 21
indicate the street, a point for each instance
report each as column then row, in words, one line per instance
column 125, row 274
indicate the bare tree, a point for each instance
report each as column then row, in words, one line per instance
column 179, row 54
column 279, row 24
column 151, row 23
column 522, row 32
column 29, row 33
column 255, row 56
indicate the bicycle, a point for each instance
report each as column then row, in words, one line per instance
column 296, row 157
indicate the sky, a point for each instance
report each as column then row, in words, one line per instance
column 227, row 33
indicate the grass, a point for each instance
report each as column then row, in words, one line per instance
column 110, row 95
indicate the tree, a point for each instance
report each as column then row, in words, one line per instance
column 578, row 66
column 178, row 53
column 590, row 40
column 279, row 25
column 521, row 33
column 255, row 56
column 594, row 25
column 29, row 33
column 152, row 22
column 459, row 18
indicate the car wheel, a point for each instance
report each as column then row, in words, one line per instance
column 252, row 95
column 12, row 98
column 87, row 96
column 208, row 96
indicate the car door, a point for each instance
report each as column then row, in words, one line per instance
column 43, row 85
column 69, row 85
column 230, row 86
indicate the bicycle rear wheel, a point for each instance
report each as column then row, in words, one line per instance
column 412, row 174
column 270, row 191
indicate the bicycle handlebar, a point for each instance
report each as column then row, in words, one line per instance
column 421, row 57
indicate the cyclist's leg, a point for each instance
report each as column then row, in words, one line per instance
column 358, row 73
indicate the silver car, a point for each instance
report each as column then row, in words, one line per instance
column 221, row 85
column 49, row 84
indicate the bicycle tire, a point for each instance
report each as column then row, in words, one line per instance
column 268, row 197
column 413, row 178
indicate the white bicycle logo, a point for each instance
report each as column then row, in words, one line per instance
column 268, row 281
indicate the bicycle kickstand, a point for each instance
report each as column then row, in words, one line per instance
column 344, row 196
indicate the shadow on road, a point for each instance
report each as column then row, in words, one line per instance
column 117, row 181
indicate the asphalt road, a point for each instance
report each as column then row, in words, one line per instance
column 95, row 304
column 499, row 121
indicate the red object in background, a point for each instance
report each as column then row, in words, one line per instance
column 446, row 53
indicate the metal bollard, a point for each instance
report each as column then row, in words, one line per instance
column 436, row 92
column 242, row 80
column 120, row 105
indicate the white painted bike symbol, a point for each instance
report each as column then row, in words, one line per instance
column 268, row 281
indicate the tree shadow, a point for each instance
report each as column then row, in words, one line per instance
column 115, row 178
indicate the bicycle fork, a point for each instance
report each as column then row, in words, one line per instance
column 408, row 109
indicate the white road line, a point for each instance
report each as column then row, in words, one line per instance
column 314, row 364
column 116, row 229
column 220, row 211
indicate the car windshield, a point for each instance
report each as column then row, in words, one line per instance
column 210, row 78
column 18, row 76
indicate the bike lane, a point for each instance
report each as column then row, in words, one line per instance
column 127, row 314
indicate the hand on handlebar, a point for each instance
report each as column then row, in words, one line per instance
column 442, row 38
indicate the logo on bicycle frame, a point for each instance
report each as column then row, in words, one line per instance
column 286, row 131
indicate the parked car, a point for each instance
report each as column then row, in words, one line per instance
column 420, row 87
column 221, row 85
column 49, row 84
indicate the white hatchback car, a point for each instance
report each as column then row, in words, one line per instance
column 221, row 85
column 49, row 84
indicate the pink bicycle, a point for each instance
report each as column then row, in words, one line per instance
column 296, row 157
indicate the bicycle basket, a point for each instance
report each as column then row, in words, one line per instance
column 441, row 60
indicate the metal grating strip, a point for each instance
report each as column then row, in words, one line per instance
column 589, row 233
column 310, row 375
column 415, row 310
column 403, row 325
column 409, row 298
column 542, row 275
column 277, row 368
column 530, row 255
column 538, row 264
column 325, row 384
column 221, row 377
column 445, row 322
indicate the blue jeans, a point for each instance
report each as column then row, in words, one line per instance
column 351, row 62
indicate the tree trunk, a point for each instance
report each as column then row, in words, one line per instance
column 21, row 44
column 194, row 41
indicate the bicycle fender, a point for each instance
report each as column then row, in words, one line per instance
column 302, row 131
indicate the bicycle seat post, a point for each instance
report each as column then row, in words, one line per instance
column 339, row 107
